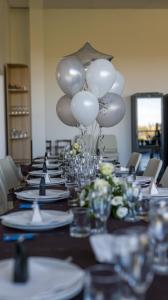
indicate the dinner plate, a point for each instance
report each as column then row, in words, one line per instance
column 51, row 195
column 50, row 219
column 41, row 160
column 39, row 173
column 49, row 166
column 162, row 192
column 49, row 279
column 53, row 181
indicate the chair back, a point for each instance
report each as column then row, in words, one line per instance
column 153, row 168
column 9, row 175
column 164, row 179
column 16, row 168
column 107, row 144
column 3, row 198
column 134, row 160
column 60, row 145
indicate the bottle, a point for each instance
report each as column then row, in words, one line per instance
column 44, row 167
column 21, row 274
column 42, row 188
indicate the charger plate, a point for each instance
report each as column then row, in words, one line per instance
column 40, row 173
column 49, row 279
column 51, row 195
column 50, row 219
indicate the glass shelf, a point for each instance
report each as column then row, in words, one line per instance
column 18, row 90
column 19, row 138
column 18, row 115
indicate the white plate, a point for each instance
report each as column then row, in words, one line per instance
column 40, row 173
column 162, row 192
column 51, row 195
column 50, row 219
column 53, row 181
column 41, row 160
column 49, row 166
column 49, row 279
column 143, row 179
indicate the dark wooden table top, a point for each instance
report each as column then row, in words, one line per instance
column 58, row 243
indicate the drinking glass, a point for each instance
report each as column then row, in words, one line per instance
column 80, row 226
column 132, row 194
column 102, row 283
column 134, row 258
column 100, row 206
column 158, row 231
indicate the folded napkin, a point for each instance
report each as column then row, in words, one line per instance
column 102, row 245
column 47, row 178
column 107, row 247
column 153, row 189
column 36, row 218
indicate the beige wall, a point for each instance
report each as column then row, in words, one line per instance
column 19, row 36
column 136, row 38
column 4, row 34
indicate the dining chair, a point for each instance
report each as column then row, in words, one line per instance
column 3, row 198
column 107, row 145
column 164, row 179
column 134, row 160
column 153, row 168
column 9, row 175
column 16, row 169
column 60, row 145
column 48, row 146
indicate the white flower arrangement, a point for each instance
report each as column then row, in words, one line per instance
column 75, row 149
column 121, row 212
column 106, row 169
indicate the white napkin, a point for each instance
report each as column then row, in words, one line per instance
column 106, row 247
column 102, row 245
column 153, row 189
column 36, row 218
column 123, row 169
column 47, row 178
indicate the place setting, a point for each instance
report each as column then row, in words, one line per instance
column 36, row 219
column 38, row 278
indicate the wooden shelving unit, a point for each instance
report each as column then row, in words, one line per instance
column 18, row 112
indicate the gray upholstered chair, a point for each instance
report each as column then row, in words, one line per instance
column 153, row 168
column 3, row 198
column 107, row 144
column 134, row 160
column 10, row 178
column 164, row 180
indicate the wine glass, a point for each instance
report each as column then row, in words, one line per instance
column 132, row 194
column 134, row 258
column 158, row 231
column 100, row 205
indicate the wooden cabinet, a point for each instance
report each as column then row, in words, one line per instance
column 18, row 112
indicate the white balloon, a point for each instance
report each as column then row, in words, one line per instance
column 100, row 77
column 118, row 85
column 85, row 107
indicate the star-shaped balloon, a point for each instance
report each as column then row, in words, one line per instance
column 87, row 54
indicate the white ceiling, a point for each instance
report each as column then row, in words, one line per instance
column 94, row 3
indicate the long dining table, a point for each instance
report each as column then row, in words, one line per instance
column 58, row 243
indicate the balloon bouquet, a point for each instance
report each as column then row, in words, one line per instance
column 92, row 88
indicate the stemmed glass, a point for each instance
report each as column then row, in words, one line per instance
column 100, row 206
column 158, row 231
column 134, row 258
column 132, row 194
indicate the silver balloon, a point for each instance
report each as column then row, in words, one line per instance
column 87, row 54
column 112, row 110
column 70, row 75
column 63, row 110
